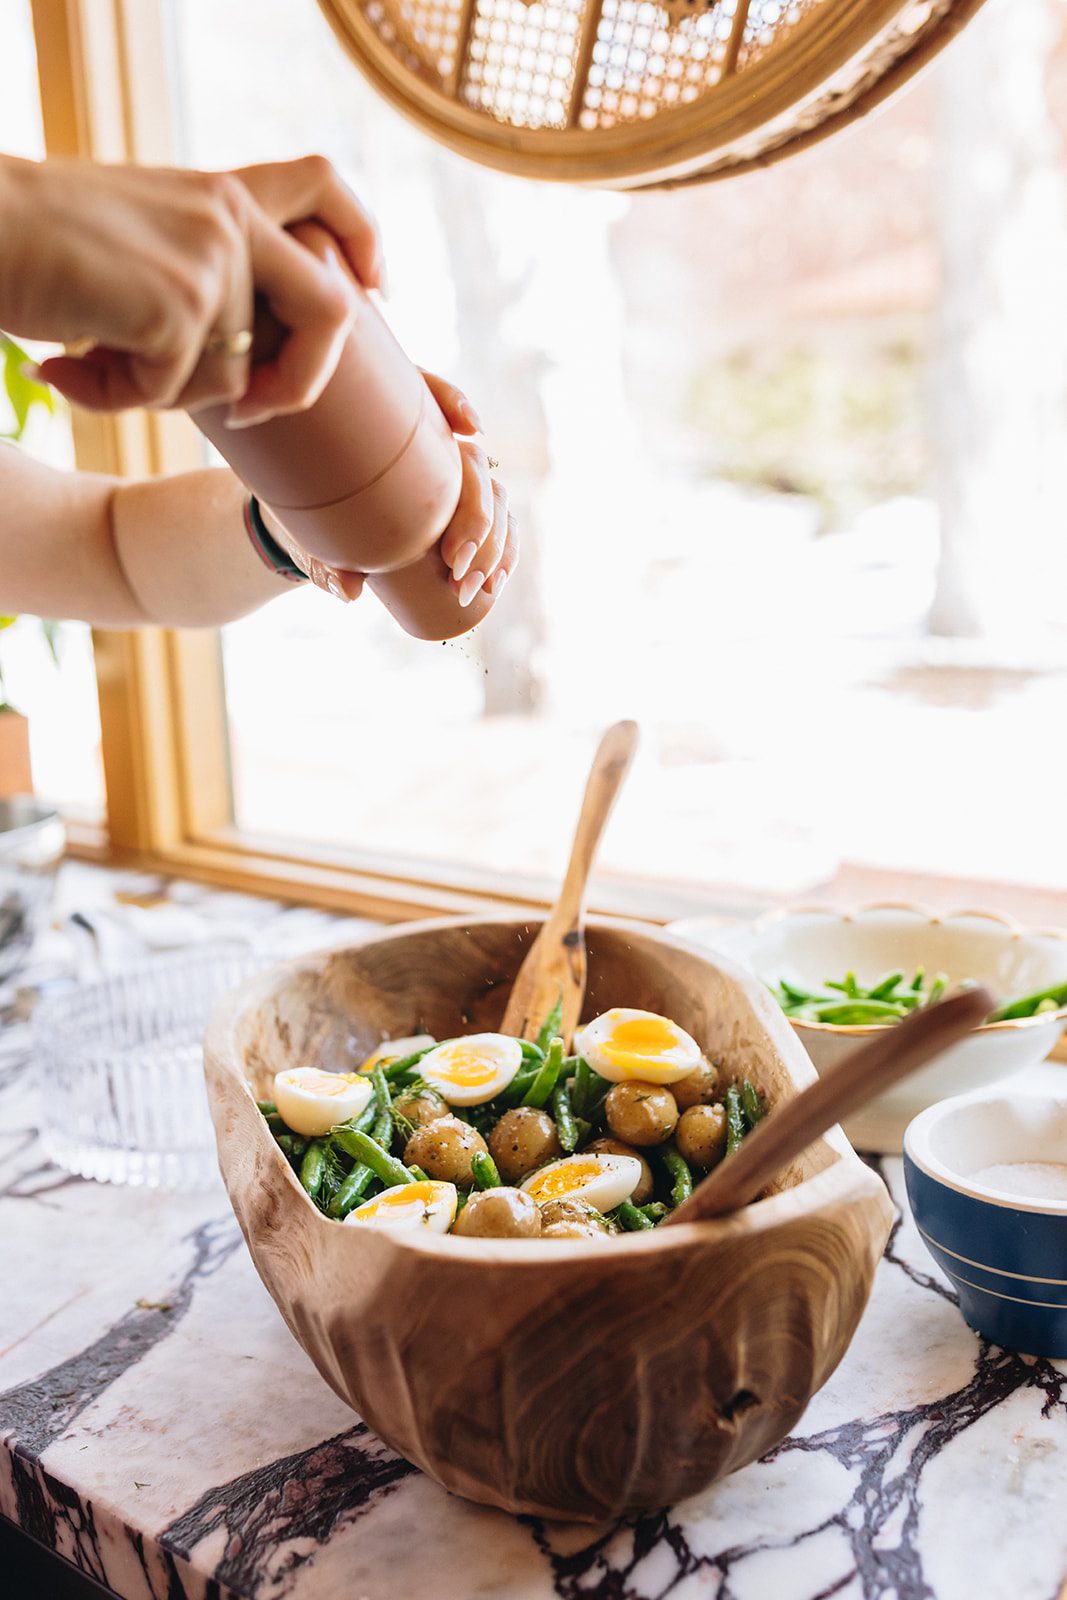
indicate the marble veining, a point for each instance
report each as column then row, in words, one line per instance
column 161, row 1429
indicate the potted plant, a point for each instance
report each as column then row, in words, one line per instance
column 23, row 393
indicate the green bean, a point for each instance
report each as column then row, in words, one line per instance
column 857, row 1011
column 582, row 1086
column 552, row 1024
column 678, row 1172
column 352, row 1191
column 735, row 1119
column 531, row 1052
column 417, row 1174
column 655, row 1211
column 512, row 1095
column 313, row 1166
column 547, row 1074
column 752, row 1103
column 1028, row 1005
column 268, row 1108
column 794, row 992
column 566, row 1126
column 393, row 1069
column 917, row 981
column 584, row 1130
column 631, row 1218
column 937, row 989
column 277, row 1124
column 884, row 990
column 291, row 1145
column 364, row 1122
column 484, row 1168
column 382, row 1164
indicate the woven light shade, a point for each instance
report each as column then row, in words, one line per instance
column 635, row 93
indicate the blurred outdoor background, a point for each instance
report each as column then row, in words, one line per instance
column 789, row 454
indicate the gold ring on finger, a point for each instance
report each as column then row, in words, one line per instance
column 229, row 345
column 493, row 463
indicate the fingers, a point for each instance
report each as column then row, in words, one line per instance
column 312, row 299
column 310, row 188
column 486, row 563
column 459, row 413
column 473, row 519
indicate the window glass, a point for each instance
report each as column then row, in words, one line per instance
column 789, row 456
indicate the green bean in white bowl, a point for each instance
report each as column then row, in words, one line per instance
column 841, row 975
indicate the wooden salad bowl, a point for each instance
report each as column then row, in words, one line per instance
column 583, row 1378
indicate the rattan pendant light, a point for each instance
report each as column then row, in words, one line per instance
column 638, row 93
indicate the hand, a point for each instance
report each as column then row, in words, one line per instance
column 480, row 546
column 150, row 264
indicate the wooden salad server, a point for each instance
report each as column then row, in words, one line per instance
column 555, row 964
column 838, row 1093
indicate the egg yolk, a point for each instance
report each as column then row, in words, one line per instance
column 330, row 1083
column 561, row 1181
column 640, row 1039
column 423, row 1194
column 464, row 1068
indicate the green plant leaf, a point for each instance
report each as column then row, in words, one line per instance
column 24, row 393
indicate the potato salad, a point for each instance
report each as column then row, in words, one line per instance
column 493, row 1137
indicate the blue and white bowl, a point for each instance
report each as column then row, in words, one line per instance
column 1005, row 1253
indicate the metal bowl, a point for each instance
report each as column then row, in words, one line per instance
column 32, row 840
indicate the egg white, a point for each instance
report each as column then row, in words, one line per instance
column 496, row 1058
column 397, row 1049
column 312, row 1102
column 649, row 1061
column 572, row 1178
column 409, row 1208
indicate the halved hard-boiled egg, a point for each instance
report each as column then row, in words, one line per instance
column 409, row 1207
column 623, row 1044
column 602, row 1181
column 397, row 1049
column 312, row 1102
column 467, row 1072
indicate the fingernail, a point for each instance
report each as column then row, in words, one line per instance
column 470, row 586
column 249, row 419
column 336, row 588
column 464, row 556
column 473, row 419
column 497, row 582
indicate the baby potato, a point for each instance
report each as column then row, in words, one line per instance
column 701, row 1136
column 699, row 1089
column 443, row 1149
column 420, row 1106
column 567, row 1213
column 499, row 1214
column 641, row 1113
column 615, row 1147
column 523, row 1139
column 572, row 1230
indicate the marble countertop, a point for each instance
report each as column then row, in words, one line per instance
column 162, row 1430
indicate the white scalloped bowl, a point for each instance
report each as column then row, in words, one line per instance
column 809, row 945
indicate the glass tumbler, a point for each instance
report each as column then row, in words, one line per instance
column 119, row 1070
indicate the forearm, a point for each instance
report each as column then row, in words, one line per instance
column 168, row 551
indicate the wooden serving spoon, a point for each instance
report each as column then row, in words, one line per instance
column 555, row 962
column 840, row 1091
